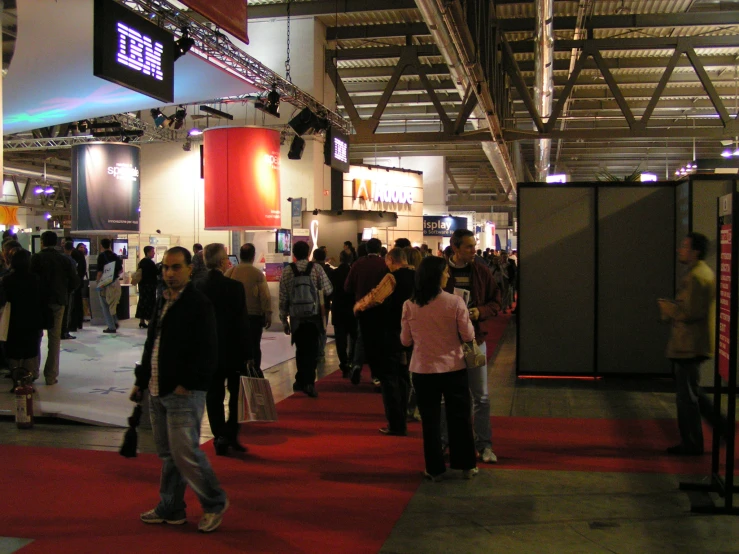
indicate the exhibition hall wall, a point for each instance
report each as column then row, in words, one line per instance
column 594, row 260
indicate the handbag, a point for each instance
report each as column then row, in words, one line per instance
column 4, row 322
column 256, row 402
column 136, row 277
column 473, row 356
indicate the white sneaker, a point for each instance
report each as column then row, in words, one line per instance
column 488, row 456
column 470, row 473
column 211, row 521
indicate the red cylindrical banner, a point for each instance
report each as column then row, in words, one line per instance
column 241, row 168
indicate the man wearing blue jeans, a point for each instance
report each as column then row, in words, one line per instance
column 473, row 278
column 179, row 360
column 110, row 294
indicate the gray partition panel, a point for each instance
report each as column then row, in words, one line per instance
column 556, row 280
column 636, row 265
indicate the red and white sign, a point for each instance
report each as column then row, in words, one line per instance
column 241, row 168
column 724, row 302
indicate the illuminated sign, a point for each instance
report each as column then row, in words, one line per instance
column 366, row 189
column 124, row 172
column 132, row 52
column 648, row 178
column 442, row 226
column 336, row 150
column 557, row 178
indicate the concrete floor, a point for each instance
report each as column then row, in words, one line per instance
column 516, row 511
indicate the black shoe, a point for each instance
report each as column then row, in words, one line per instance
column 345, row 371
column 297, row 387
column 310, row 390
column 221, row 445
column 143, row 326
column 68, row 337
column 680, row 450
column 388, row 431
column 237, row 446
column 356, row 375
column 117, row 325
column 109, row 331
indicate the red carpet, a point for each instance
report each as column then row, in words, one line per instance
column 495, row 328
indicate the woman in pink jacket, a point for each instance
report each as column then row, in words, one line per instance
column 435, row 323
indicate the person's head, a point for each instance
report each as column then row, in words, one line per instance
column 82, row 248
column 383, row 251
column 68, row 247
column 402, row 243
column 149, row 252
column 105, row 244
column 197, row 247
column 431, row 277
column 323, row 248
column 48, row 238
column 414, row 256
column 693, row 248
column 463, row 245
column 503, row 256
column 373, row 246
column 247, row 253
column 20, row 260
column 176, row 268
column 448, row 252
column 319, row 255
column 346, row 257
column 215, row 256
column 348, row 246
column 396, row 258
column 9, row 248
column 301, row 250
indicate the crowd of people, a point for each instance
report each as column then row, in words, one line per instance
column 403, row 312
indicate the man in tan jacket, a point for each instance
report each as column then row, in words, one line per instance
column 258, row 300
column 692, row 319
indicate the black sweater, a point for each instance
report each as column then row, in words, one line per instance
column 188, row 348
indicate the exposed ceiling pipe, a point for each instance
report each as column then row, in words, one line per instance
column 585, row 9
column 36, row 174
column 445, row 21
column 544, row 83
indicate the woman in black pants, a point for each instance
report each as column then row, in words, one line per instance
column 433, row 323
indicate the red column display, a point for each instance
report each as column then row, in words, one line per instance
column 241, row 168
column 724, row 302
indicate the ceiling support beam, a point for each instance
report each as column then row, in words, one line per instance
column 358, row 32
column 591, row 49
column 651, row 43
column 327, row 7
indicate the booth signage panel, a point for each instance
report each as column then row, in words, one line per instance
column 442, row 226
column 297, row 212
column 132, row 52
column 241, row 168
column 725, row 280
column 105, row 187
column 336, row 150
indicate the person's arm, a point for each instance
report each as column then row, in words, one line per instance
column 405, row 325
column 243, row 321
column 377, row 295
column 265, row 299
column 73, row 280
column 351, row 280
column 204, row 358
column 491, row 294
column 324, row 281
column 287, row 273
column 694, row 302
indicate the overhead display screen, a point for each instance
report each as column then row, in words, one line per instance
column 133, row 52
column 336, row 150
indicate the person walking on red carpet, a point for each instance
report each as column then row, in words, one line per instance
column 179, row 360
column 433, row 322
column 473, row 276
column 691, row 316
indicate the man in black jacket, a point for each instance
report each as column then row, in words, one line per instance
column 229, row 301
column 180, row 357
column 58, row 279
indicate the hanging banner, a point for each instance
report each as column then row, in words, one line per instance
column 8, row 216
column 241, row 168
column 105, row 187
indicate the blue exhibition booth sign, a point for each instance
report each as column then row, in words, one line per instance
column 442, row 225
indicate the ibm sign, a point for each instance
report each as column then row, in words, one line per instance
column 140, row 52
column 132, row 51
column 336, row 150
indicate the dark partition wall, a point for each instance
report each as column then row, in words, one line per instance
column 557, row 253
column 636, row 264
column 594, row 258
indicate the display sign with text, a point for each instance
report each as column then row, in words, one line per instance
column 132, row 52
column 442, row 225
column 336, row 150
column 725, row 337
column 105, row 187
